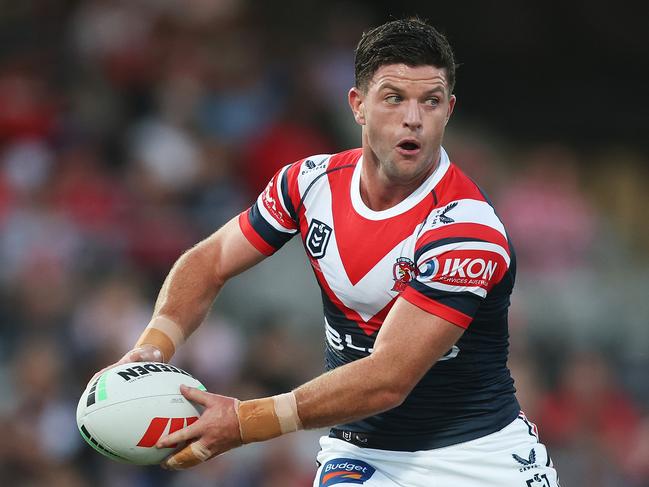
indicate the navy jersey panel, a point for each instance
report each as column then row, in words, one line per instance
column 459, row 399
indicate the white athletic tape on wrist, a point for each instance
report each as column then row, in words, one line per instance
column 286, row 411
column 164, row 334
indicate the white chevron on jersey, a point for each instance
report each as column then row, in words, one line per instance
column 372, row 293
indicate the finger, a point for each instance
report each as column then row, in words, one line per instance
column 98, row 374
column 185, row 434
column 195, row 395
column 190, row 456
column 144, row 353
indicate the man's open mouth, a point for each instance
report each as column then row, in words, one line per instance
column 409, row 145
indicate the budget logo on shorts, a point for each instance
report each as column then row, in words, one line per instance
column 345, row 470
column 317, row 238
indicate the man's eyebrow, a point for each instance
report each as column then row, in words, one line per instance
column 390, row 86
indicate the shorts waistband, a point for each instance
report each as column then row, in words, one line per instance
column 381, row 442
column 411, row 443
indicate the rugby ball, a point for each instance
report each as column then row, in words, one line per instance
column 124, row 412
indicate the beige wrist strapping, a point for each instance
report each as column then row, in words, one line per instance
column 263, row 419
column 164, row 334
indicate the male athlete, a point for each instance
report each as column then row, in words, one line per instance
column 416, row 272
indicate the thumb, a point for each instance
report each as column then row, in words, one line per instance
column 195, row 395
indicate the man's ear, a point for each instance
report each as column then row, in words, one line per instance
column 356, row 103
column 451, row 106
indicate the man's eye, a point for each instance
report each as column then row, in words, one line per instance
column 393, row 99
column 432, row 101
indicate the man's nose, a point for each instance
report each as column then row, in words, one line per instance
column 412, row 117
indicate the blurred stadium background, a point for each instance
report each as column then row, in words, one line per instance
column 131, row 129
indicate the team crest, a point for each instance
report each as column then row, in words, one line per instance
column 317, row 238
column 403, row 271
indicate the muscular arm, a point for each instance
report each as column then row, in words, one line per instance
column 189, row 290
column 408, row 344
column 199, row 274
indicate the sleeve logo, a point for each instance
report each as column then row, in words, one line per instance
column 345, row 471
column 459, row 271
column 317, row 238
column 441, row 215
column 310, row 165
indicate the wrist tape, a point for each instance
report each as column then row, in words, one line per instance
column 164, row 334
column 263, row 419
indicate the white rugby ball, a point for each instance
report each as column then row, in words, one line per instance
column 124, row 412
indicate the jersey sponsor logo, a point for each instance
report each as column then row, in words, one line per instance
column 317, row 238
column 339, row 342
column 403, row 271
column 463, row 271
column 310, row 165
column 528, row 463
column 429, row 268
column 345, row 470
column 452, row 353
column 157, row 427
column 271, row 204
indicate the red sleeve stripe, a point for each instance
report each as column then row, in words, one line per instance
column 252, row 236
column 433, row 307
column 468, row 230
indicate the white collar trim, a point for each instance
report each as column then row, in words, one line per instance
column 410, row 202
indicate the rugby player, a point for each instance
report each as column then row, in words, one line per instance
column 416, row 272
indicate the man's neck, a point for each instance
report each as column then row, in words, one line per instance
column 379, row 192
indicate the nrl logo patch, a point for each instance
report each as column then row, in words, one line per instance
column 317, row 238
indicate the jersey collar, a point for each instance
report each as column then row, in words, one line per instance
column 410, row 202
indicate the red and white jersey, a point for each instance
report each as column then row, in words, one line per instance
column 443, row 248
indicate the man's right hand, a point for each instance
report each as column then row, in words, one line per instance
column 144, row 353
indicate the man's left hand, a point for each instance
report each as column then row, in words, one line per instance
column 215, row 432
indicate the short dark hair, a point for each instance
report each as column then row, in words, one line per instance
column 409, row 41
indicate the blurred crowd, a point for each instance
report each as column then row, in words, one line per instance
column 129, row 130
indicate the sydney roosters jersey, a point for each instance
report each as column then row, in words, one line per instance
column 443, row 249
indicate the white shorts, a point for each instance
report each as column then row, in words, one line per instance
column 511, row 457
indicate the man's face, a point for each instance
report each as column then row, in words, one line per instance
column 403, row 112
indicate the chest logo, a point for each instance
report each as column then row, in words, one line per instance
column 317, row 238
column 403, row 271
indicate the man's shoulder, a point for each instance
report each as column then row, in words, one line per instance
column 462, row 209
column 309, row 169
column 322, row 162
